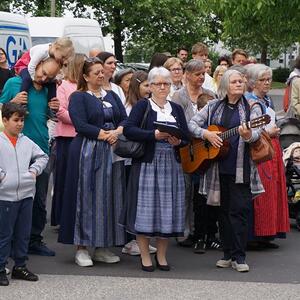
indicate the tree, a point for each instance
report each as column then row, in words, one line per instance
column 259, row 26
column 151, row 25
column 38, row 8
column 4, row 5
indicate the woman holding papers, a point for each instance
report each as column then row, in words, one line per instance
column 155, row 197
column 270, row 210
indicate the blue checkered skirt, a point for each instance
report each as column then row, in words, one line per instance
column 160, row 201
column 101, row 187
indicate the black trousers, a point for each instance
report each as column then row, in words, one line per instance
column 234, row 211
column 205, row 216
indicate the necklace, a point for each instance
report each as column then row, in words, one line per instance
column 162, row 108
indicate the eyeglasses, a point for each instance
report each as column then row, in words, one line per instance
column 174, row 70
column 265, row 80
column 161, row 84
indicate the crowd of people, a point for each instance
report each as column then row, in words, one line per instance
column 101, row 200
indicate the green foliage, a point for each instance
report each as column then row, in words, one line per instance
column 38, row 8
column 147, row 26
column 281, row 74
column 4, row 5
column 259, row 25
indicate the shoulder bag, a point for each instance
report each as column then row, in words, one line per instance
column 131, row 149
column 262, row 150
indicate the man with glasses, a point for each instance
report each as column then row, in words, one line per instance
column 35, row 127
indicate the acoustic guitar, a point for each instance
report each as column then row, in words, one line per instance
column 199, row 153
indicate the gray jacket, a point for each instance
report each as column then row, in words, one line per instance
column 16, row 163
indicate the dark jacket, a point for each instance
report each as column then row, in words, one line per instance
column 133, row 131
column 87, row 114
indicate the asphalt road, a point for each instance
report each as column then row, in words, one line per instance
column 274, row 274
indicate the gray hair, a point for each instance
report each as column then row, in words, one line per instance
column 239, row 68
column 159, row 71
column 256, row 71
column 224, row 83
column 194, row 65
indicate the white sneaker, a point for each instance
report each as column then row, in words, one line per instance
column 223, row 263
column 83, row 259
column 104, row 255
column 132, row 248
column 152, row 249
column 7, row 270
column 240, row 267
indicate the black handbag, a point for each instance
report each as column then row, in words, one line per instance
column 131, row 149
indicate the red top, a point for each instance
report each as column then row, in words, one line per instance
column 12, row 139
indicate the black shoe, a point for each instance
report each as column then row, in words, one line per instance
column 188, row 242
column 161, row 267
column 40, row 248
column 269, row 245
column 199, row 247
column 147, row 268
column 3, row 279
column 24, row 274
column 213, row 244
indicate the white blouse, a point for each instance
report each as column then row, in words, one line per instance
column 163, row 114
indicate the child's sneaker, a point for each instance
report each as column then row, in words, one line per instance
column 24, row 274
column 3, row 279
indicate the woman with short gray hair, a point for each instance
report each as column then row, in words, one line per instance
column 196, row 226
column 270, row 210
column 231, row 181
column 154, row 204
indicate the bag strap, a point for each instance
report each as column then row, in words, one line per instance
column 263, row 108
column 145, row 115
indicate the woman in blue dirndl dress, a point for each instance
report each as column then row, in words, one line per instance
column 154, row 205
column 91, row 209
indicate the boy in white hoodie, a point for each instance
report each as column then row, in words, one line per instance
column 21, row 160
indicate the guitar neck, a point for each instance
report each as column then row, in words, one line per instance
column 230, row 132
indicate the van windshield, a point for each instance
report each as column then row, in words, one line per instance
column 42, row 40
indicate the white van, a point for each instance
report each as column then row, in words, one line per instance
column 14, row 36
column 84, row 33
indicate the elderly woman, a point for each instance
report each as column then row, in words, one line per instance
column 231, row 181
column 188, row 99
column 155, row 195
column 175, row 66
column 270, row 210
column 92, row 201
column 64, row 133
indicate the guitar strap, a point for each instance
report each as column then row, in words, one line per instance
column 247, row 167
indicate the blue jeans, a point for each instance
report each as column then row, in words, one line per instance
column 15, row 225
column 39, row 213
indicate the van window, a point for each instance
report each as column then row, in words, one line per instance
column 36, row 40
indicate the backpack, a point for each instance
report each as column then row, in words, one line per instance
column 287, row 94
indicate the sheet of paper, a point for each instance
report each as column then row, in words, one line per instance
column 272, row 114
